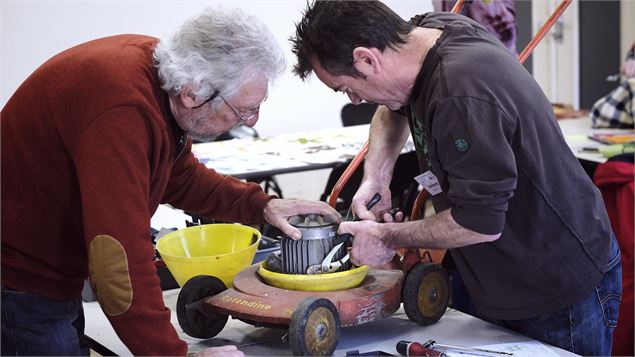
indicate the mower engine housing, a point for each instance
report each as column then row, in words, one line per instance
column 319, row 236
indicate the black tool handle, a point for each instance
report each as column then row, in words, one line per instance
column 373, row 201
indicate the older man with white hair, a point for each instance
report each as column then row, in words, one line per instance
column 92, row 142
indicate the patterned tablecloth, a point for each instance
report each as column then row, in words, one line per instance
column 284, row 153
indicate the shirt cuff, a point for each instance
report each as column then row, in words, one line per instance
column 479, row 220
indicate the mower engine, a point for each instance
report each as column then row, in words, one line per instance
column 319, row 237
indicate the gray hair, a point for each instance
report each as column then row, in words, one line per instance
column 218, row 50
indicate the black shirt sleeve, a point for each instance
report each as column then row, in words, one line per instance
column 474, row 144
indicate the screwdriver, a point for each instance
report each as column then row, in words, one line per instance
column 408, row 348
column 433, row 343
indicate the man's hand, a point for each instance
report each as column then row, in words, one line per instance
column 221, row 351
column 368, row 244
column 364, row 194
column 278, row 211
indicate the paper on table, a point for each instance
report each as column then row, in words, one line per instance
column 285, row 151
column 577, row 137
column 519, row 349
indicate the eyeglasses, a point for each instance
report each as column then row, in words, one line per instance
column 214, row 95
column 248, row 114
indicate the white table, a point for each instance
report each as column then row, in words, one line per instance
column 455, row 328
column 577, row 131
column 295, row 152
column 306, row 151
column 285, row 153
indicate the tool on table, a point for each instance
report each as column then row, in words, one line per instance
column 330, row 266
column 434, row 344
column 589, row 149
column 369, row 353
column 408, row 348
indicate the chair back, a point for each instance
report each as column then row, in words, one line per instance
column 359, row 114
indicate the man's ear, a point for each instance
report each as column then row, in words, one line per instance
column 365, row 60
column 189, row 99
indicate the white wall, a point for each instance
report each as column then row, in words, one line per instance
column 556, row 63
column 33, row 31
column 556, row 60
column 627, row 26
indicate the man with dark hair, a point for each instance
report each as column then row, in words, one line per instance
column 524, row 223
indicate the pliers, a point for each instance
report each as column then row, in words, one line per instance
column 328, row 265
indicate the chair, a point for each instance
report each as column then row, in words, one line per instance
column 358, row 114
column 403, row 188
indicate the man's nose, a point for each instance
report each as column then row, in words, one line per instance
column 251, row 122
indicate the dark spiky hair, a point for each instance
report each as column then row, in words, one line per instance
column 331, row 29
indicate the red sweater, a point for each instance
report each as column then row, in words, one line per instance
column 89, row 148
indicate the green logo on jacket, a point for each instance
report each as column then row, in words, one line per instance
column 461, row 145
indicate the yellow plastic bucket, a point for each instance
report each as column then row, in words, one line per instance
column 220, row 250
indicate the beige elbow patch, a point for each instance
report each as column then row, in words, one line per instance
column 109, row 275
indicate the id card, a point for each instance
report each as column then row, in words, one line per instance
column 429, row 182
